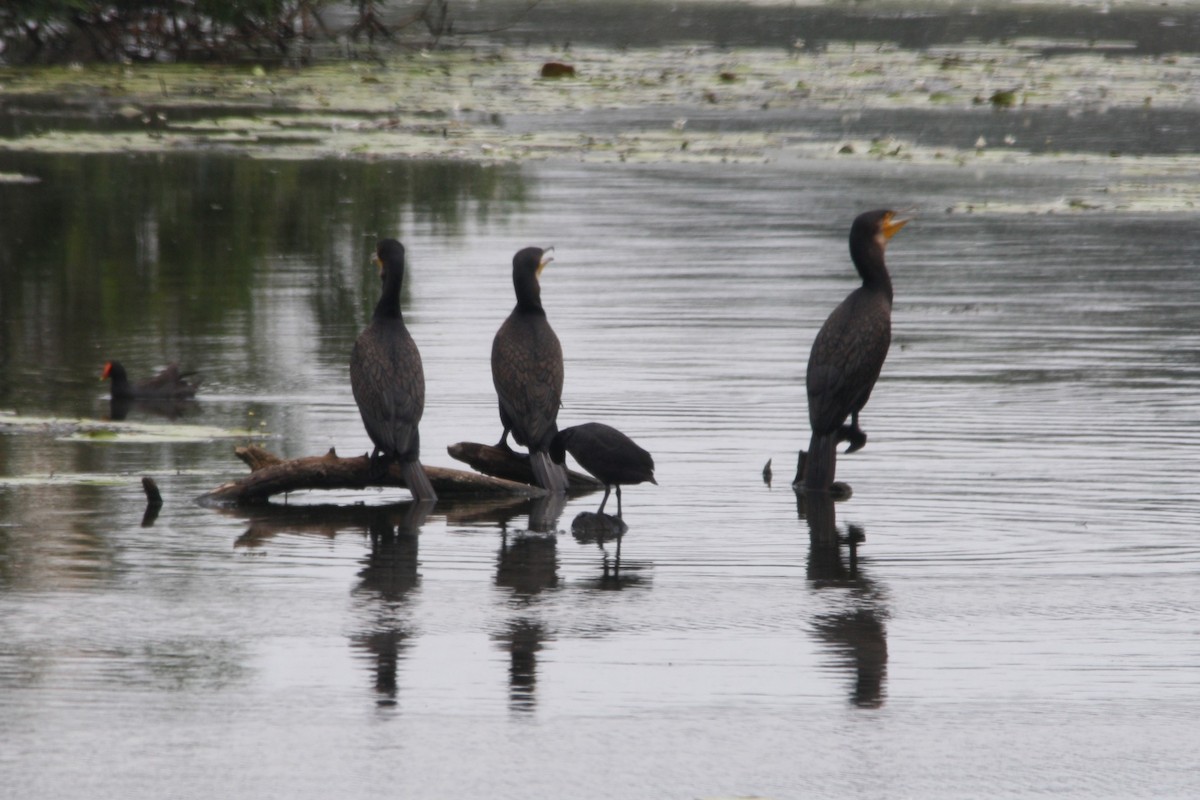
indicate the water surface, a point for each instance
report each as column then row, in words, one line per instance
column 1018, row 617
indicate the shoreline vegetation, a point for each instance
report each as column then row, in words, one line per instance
column 207, row 31
column 307, row 31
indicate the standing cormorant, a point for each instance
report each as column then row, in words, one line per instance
column 849, row 351
column 606, row 453
column 166, row 385
column 527, row 370
column 388, row 380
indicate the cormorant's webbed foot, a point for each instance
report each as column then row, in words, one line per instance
column 854, row 435
column 503, row 443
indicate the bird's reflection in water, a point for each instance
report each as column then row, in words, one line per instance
column 390, row 573
column 856, row 632
column 591, row 527
column 120, row 408
column 528, row 562
column 388, row 577
column 545, row 511
column 522, row 639
column 527, row 565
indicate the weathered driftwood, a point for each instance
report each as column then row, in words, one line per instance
column 271, row 475
column 505, row 464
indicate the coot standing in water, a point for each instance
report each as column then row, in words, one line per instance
column 609, row 455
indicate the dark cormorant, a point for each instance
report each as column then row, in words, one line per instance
column 606, row 453
column 166, row 385
column 849, row 350
column 388, row 380
column 527, row 370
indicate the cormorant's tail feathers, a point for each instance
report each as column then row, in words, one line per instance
column 417, row 481
column 546, row 474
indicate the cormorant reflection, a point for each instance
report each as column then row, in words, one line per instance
column 527, row 565
column 522, row 639
column 856, row 634
column 390, row 573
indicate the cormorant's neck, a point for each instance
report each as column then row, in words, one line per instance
column 529, row 292
column 868, row 260
column 388, row 306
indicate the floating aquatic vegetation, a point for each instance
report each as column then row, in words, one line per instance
column 493, row 105
column 87, row 430
column 94, row 478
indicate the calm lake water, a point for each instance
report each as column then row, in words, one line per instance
column 1019, row 617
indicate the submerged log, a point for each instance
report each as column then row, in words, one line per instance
column 154, row 501
column 270, row 475
column 153, row 495
column 837, row 490
column 508, row 465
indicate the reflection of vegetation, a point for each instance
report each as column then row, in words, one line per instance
column 170, row 248
column 52, row 548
